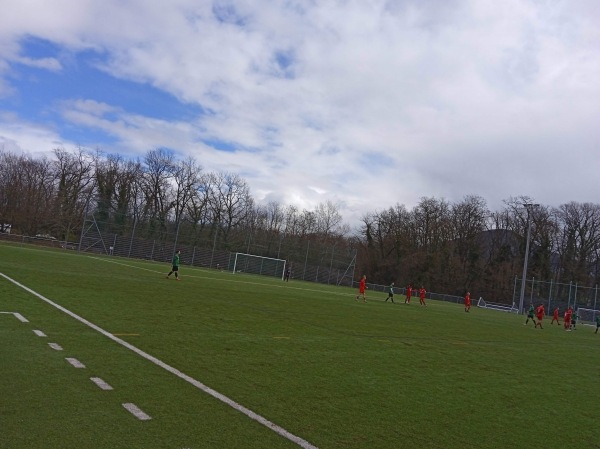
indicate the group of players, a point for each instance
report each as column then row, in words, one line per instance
column 362, row 287
column 569, row 319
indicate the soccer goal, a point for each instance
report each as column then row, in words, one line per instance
column 495, row 306
column 587, row 316
column 251, row 264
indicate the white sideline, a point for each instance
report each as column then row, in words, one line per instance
column 39, row 333
column 221, row 397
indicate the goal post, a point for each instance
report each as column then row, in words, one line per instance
column 587, row 316
column 252, row 264
column 495, row 306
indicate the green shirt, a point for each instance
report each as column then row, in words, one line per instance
column 598, row 320
column 176, row 260
column 530, row 311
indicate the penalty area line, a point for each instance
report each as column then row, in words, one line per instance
column 215, row 394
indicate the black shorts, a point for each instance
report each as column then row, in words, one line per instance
column 174, row 268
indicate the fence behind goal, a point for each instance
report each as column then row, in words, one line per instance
column 311, row 262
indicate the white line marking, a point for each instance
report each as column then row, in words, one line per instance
column 55, row 346
column 21, row 318
column 18, row 316
column 135, row 411
column 103, row 385
column 39, row 333
column 76, row 363
column 221, row 397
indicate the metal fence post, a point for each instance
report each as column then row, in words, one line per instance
column 531, row 296
column 306, row 260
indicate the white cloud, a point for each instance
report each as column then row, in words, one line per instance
column 17, row 136
column 459, row 96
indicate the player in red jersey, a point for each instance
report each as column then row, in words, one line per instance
column 555, row 316
column 422, row 296
column 567, row 318
column 540, row 312
column 362, row 286
column 468, row 302
column 408, row 294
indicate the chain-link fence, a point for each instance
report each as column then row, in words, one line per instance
column 307, row 260
column 556, row 294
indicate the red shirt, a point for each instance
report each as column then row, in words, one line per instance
column 540, row 312
column 556, row 313
column 467, row 299
column 362, row 285
column 422, row 293
column 409, row 292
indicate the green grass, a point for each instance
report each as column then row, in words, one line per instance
column 337, row 373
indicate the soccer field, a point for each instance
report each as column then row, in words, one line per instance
column 237, row 361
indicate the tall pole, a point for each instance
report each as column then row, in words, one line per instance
column 523, row 279
column 212, row 255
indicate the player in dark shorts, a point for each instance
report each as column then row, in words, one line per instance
column 530, row 315
column 390, row 293
column 175, row 266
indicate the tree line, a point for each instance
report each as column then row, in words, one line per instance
column 449, row 247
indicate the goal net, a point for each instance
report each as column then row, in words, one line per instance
column 251, row 264
column 587, row 316
column 495, row 306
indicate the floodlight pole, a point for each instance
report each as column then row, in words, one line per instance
column 523, row 280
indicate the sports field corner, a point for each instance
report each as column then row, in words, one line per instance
column 221, row 360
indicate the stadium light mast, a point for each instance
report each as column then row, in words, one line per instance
column 528, row 206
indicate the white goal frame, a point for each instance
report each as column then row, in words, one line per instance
column 495, row 306
column 587, row 316
column 253, row 264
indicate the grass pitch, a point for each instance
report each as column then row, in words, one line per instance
column 307, row 357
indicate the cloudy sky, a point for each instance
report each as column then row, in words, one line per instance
column 366, row 103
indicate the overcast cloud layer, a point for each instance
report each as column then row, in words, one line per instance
column 365, row 103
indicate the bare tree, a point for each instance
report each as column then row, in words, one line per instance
column 468, row 218
column 26, row 193
column 578, row 243
column 230, row 202
column 157, row 188
column 74, row 174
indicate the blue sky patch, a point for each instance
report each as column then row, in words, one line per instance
column 40, row 91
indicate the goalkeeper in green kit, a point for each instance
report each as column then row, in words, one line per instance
column 530, row 315
column 597, row 323
column 175, row 266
